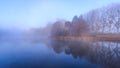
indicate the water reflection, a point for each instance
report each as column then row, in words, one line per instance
column 106, row 54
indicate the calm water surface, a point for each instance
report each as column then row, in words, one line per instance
column 59, row 54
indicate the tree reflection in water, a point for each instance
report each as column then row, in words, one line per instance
column 106, row 54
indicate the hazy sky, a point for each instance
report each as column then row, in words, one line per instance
column 35, row 13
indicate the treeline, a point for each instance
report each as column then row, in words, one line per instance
column 102, row 20
column 77, row 27
column 105, row 19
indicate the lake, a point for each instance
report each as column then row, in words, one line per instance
column 51, row 53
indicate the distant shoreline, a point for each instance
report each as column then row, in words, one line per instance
column 92, row 37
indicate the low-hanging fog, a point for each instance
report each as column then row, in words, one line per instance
column 33, row 23
column 52, row 33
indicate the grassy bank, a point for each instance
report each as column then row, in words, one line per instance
column 93, row 37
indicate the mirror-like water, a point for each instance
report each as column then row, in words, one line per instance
column 59, row 54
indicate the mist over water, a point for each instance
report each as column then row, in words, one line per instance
column 87, row 40
column 19, row 51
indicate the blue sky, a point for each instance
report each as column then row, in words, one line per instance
column 37, row 13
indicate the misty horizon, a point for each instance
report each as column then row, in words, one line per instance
column 31, row 14
column 60, row 34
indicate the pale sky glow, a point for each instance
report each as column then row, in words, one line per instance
column 37, row 13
